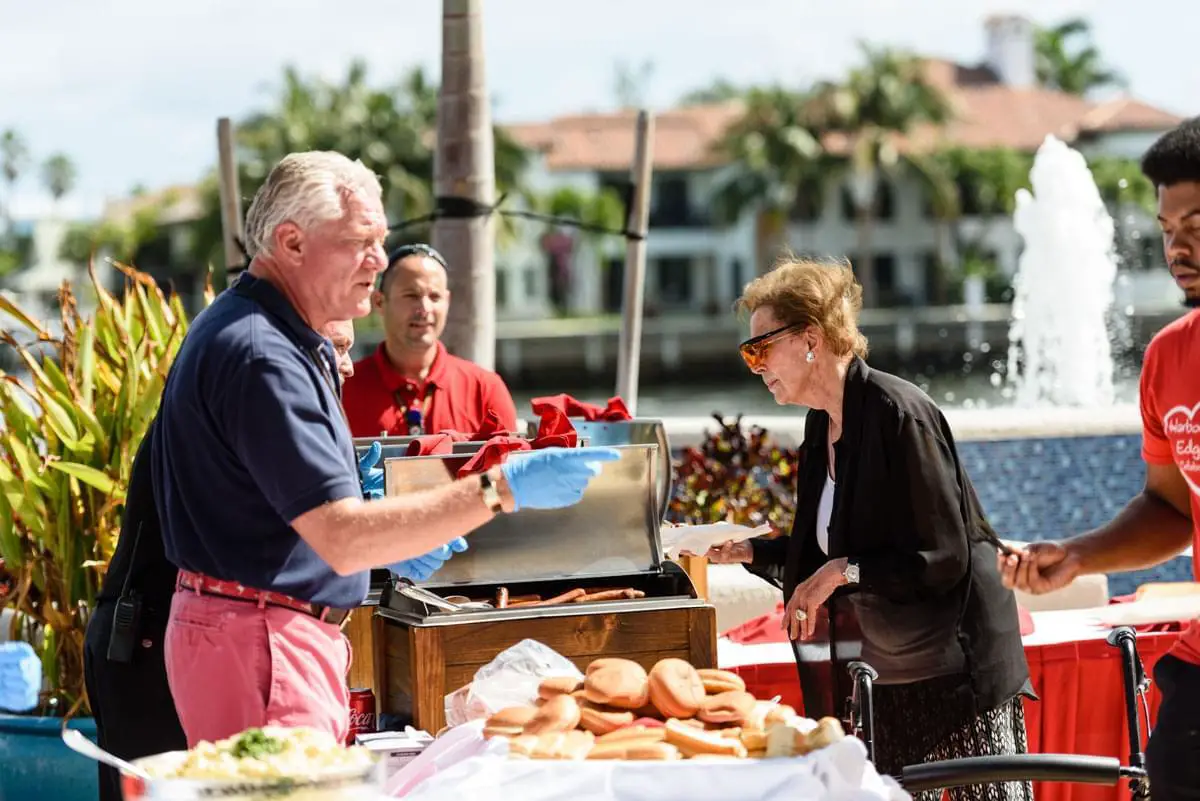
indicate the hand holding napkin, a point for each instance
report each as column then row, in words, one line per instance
column 698, row 539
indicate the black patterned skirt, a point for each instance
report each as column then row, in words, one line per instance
column 928, row 721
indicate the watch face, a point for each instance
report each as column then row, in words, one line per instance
column 852, row 573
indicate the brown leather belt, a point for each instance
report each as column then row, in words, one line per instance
column 207, row 585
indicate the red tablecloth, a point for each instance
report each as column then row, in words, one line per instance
column 1081, row 711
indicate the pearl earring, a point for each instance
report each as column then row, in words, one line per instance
column 809, row 357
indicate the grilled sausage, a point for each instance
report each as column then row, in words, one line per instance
column 565, row 598
column 610, row 595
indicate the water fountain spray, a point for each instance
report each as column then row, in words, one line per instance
column 1060, row 352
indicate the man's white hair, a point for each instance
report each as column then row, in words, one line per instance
column 306, row 189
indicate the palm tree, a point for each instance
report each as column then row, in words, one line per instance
column 14, row 157
column 1124, row 188
column 776, row 162
column 1123, row 184
column 383, row 127
column 719, row 91
column 598, row 211
column 987, row 181
column 1068, row 60
column 885, row 98
column 464, row 168
column 58, row 175
column 630, row 84
column 938, row 180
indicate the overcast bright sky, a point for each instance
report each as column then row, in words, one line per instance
column 131, row 89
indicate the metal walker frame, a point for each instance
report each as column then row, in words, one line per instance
column 1065, row 768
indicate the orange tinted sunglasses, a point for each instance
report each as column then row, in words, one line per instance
column 754, row 350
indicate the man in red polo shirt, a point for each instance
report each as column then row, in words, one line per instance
column 411, row 384
column 1164, row 519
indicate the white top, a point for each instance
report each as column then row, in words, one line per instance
column 824, row 513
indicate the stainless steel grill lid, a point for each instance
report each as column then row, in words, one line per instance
column 639, row 431
column 613, row 530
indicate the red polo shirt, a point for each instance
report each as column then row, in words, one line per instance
column 454, row 397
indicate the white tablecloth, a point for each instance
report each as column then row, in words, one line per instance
column 1049, row 627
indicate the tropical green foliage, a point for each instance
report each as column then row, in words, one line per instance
column 59, row 176
column 1067, row 59
column 70, row 431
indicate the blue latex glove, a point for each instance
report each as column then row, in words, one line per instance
column 420, row 568
column 553, row 477
column 370, row 476
column 20, row 677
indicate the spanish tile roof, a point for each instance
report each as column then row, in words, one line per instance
column 988, row 113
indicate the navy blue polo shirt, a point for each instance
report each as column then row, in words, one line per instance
column 251, row 436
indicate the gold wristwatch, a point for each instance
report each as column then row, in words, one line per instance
column 491, row 495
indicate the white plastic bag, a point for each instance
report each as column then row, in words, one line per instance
column 511, row 679
column 452, row 748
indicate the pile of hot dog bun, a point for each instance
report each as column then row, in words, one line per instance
column 619, row 711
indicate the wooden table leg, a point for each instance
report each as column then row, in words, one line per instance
column 360, row 631
column 702, row 638
column 429, row 678
column 697, row 569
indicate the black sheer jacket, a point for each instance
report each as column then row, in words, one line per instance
column 905, row 510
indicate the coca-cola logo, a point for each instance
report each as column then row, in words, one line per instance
column 362, row 721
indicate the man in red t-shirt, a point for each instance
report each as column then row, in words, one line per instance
column 1164, row 519
column 411, row 384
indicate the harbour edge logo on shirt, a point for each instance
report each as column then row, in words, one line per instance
column 1182, row 427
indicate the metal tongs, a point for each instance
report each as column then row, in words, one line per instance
column 422, row 595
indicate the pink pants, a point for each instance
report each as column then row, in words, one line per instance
column 233, row 666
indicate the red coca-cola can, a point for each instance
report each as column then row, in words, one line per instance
column 362, row 713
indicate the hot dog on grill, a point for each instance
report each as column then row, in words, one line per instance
column 565, row 598
column 627, row 593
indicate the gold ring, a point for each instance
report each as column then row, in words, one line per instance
column 801, row 615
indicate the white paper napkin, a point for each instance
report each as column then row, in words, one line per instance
column 1150, row 610
column 698, row 539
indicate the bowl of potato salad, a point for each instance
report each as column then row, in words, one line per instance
column 296, row 764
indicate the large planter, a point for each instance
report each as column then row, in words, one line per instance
column 34, row 763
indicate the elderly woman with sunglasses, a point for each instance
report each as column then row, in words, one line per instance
column 887, row 522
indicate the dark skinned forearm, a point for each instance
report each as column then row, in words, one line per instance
column 1147, row 532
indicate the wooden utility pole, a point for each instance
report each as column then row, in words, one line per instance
column 232, row 231
column 629, row 348
column 464, row 167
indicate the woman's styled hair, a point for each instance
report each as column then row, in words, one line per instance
column 815, row 292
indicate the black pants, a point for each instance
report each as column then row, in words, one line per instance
column 1173, row 753
column 131, row 702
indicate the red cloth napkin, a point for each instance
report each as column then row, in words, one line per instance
column 490, row 427
column 761, row 630
column 769, row 628
column 493, row 452
column 615, row 411
column 1026, row 620
column 443, row 442
column 555, row 431
column 434, row 444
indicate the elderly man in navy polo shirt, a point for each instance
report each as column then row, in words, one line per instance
column 255, row 477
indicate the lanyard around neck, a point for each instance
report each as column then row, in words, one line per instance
column 417, row 426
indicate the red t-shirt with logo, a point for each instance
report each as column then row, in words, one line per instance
column 455, row 396
column 1170, row 400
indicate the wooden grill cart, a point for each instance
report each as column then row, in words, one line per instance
column 608, row 541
